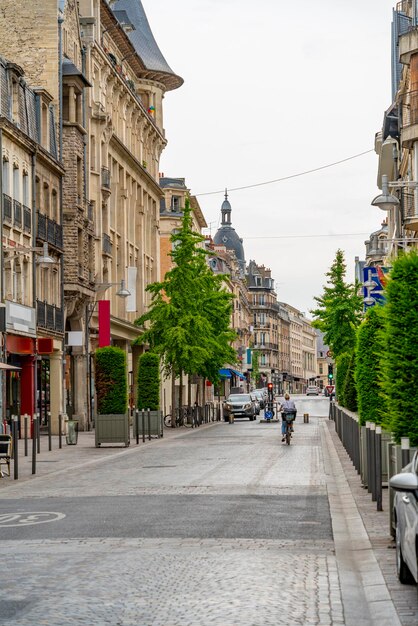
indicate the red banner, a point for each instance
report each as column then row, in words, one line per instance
column 104, row 323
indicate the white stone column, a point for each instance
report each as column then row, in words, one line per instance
column 55, row 380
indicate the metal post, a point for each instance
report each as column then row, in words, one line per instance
column 38, row 432
column 373, row 459
column 368, row 458
column 34, row 437
column 137, row 425
column 149, row 424
column 405, row 451
column 60, row 430
column 379, row 506
column 15, row 432
column 49, row 431
column 143, row 426
column 25, row 430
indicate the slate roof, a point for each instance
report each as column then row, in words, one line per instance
column 144, row 43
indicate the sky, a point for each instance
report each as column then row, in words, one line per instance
column 273, row 88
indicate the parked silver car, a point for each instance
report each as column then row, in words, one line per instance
column 256, row 401
column 260, row 397
column 405, row 510
column 239, row 405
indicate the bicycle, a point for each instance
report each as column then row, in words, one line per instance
column 289, row 419
column 184, row 417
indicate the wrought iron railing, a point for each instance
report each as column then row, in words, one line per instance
column 27, row 219
column 50, row 231
column 409, row 109
column 107, row 244
column 17, row 213
column 49, row 316
column 408, row 204
column 7, row 207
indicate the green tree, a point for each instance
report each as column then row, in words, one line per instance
column 400, row 363
column 368, row 375
column 339, row 309
column 188, row 322
column 148, row 380
column 255, row 366
column 111, row 380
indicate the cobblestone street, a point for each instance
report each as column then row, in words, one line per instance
column 223, row 525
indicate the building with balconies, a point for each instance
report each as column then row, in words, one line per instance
column 32, row 329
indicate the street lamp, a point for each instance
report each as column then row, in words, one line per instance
column 122, row 292
column 43, row 259
column 386, row 200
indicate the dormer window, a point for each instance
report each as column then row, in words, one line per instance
column 175, row 204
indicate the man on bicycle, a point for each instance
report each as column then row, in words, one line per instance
column 287, row 406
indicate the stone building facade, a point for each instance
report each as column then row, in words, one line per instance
column 107, row 79
column 31, row 250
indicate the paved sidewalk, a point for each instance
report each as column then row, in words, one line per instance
column 404, row 597
column 83, row 453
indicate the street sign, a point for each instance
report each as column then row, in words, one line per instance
column 330, row 388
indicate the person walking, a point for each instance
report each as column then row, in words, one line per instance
column 287, row 406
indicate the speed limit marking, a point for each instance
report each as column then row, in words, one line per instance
column 19, row 520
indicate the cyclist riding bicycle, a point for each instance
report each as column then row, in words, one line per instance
column 287, row 407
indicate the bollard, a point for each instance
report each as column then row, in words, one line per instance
column 373, row 460
column 231, row 418
column 379, row 506
column 60, row 430
column 405, row 451
column 25, row 430
column 306, row 418
column 15, row 435
column 143, row 426
column 38, row 433
column 34, row 437
column 49, row 431
column 137, row 425
column 149, row 424
column 368, row 457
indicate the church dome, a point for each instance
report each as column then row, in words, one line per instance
column 227, row 236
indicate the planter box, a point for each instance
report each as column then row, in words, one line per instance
column 112, row 428
column 153, row 428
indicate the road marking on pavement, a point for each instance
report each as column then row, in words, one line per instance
column 18, row 520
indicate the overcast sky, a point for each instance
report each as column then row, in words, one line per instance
column 273, row 88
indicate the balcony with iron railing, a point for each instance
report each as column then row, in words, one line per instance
column 406, row 27
column 49, row 316
column 409, row 210
column 7, row 208
column 50, row 231
column 106, row 244
column 409, row 119
column 27, row 219
column 17, row 213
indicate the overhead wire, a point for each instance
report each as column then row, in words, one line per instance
column 278, row 180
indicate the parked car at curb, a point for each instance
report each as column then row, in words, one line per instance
column 405, row 511
column 239, row 405
column 312, row 390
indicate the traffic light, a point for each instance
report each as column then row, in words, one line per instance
column 269, row 386
column 330, row 371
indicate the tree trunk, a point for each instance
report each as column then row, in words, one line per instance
column 189, row 390
column 181, row 390
column 173, row 398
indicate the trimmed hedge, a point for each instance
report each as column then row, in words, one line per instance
column 400, row 363
column 148, row 381
column 111, row 381
column 370, row 347
column 349, row 389
column 343, row 364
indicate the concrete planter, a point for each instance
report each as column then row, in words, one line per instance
column 152, row 427
column 112, row 428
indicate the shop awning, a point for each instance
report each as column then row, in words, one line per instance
column 10, row 368
column 225, row 373
column 236, row 373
